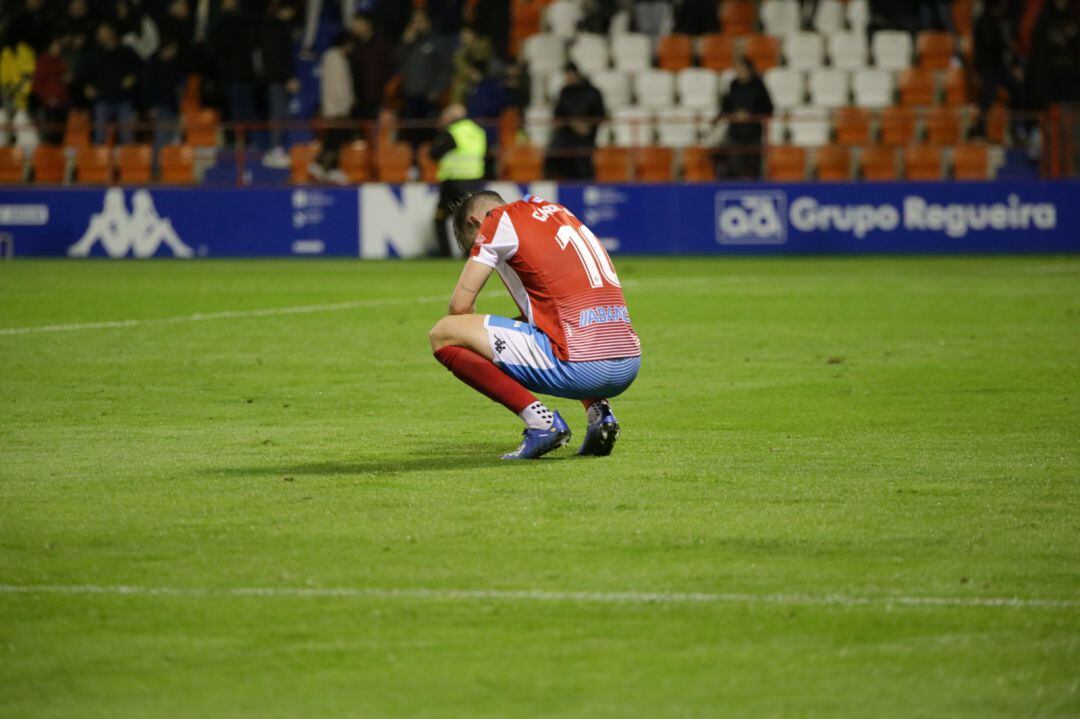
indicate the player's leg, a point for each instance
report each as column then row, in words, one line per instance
column 602, row 428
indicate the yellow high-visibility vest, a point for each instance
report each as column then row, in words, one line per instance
column 466, row 160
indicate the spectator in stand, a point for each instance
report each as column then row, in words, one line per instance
column 1053, row 73
column 518, row 84
column 491, row 19
column 473, row 51
column 279, row 74
column 577, row 116
column 697, row 17
column 136, row 30
column 336, row 102
column 111, row 84
column 933, row 15
column 424, row 60
column 745, row 106
column 178, row 26
column 78, row 25
column 446, row 16
column 17, row 61
column 50, row 90
column 231, row 47
column 166, row 80
column 391, row 18
column 33, row 24
column 311, row 21
column 653, row 17
column 486, row 100
column 460, row 148
column 995, row 60
column 372, row 65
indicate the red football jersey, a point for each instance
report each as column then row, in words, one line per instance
column 561, row 278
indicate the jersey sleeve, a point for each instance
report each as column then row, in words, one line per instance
column 497, row 241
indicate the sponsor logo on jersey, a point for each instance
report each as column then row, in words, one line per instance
column 751, row 218
column 603, row 315
column 139, row 233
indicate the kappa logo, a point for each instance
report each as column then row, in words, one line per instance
column 500, row 345
column 139, row 233
column 751, row 218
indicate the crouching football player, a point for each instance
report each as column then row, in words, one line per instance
column 573, row 338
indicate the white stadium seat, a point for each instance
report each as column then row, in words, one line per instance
column 858, row 15
column 873, row 88
column 809, row 126
column 780, row 17
column 544, row 52
column 698, row 88
column 776, row 129
column 562, row 18
column 804, row 50
column 614, row 85
column 538, row 125
column 590, row 53
column 829, row 17
column 654, row 89
column 677, row 127
column 553, row 83
column 632, row 127
column 787, row 88
column 848, row 50
column 631, row 51
column 892, row 49
column 829, row 87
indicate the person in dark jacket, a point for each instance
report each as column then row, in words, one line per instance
column 1053, row 73
column 279, row 74
column 372, row 65
column 577, row 116
column 995, row 60
column 111, row 84
column 166, row 80
column 745, row 106
column 425, row 62
column 697, row 17
column 231, row 47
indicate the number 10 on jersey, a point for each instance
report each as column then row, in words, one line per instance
column 593, row 257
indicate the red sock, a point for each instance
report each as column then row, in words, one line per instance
column 482, row 375
column 589, row 402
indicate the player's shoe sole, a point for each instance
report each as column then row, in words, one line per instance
column 538, row 442
column 600, row 438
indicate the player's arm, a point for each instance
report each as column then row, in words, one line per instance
column 472, row 280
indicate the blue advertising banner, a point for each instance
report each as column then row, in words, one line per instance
column 380, row 221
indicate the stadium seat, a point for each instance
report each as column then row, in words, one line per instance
column 934, row 50
column 971, row 162
column 848, row 50
column 898, row 125
column 776, row 129
column 787, row 88
column 12, row 165
column 963, row 16
column 522, row 163
column 943, row 126
column 544, row 53
column 853, row 126
column 957, row 91
column 829, row 17
column 804, row 50
column 677, row 127
column 784, row 163
column 77, row 129
column 354, row 159
column 892, row 49
column 763, row 51
column 135, row 164
column 191, row 98
column 525, row 21
column 698, row 165
column 780, row 17
column 631, row 51
column 698, row 88
column 675, row 52
column 809, row 126
column 177, row 165
column 429, row 168
column 612, row 164
column 738, row 17
column 301, row 155
column 923, row 163
column 590, row 53
column 872, row 88
column 717, row 52
column 509, row 125
column 632, row 127
column 201, row 127
column 614, row 85
column 50, row 164
column 93, row 165
column 832, row 163
column 393, row 162
column 997, row 123
column 654, row 89
column 553, row 84
column 562, row 17
column 877, row 163
column 654, row 164
column 538, row 124
column 858, row 15
column 917, row 87
column 830, row 88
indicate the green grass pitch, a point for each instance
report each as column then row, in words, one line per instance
column 847, row 461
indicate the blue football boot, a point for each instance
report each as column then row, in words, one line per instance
column 600, row 436
column 538, row 442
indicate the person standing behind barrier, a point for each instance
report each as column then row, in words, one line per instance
column 995, row 61
column 165, row 78
column 372, row 65
column 745, row 105
column 460, row 148
column 50, row 88
column 424, row 60
column 111, row 85
column 577, row 115
column 279, row 73
column 337, row 100
column 232, row 46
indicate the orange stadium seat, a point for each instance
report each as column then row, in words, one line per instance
column 997, row 123
column 963, row 16
column 192, row 97
column 738, row 17
column 77, row 129
column 943, row 126
column 923, row 163
column 898, row 125
column 355, row 161
column 178, row 165
column 429, row 169
column 301, row 155
column 698, row 164
column 525, row 18
column 934, row 50
column 833, row 163
column 12, row 165
column 971, row 162
column 93, row 165
column 917, row 87
column 786, row 163
column 763, row 51
column 852, row 126
column 675, row 52
column 393, row 162
column 957, row 89
column 50, row 164
column 509, row 126
column 717, row 52
column 878, row 163
column 654, row 164
column 522, row 163
column 201, row 127
column 612, row 164
column 135, row 164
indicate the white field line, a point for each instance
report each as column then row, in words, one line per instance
column 224, row 315
column 467, row 595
